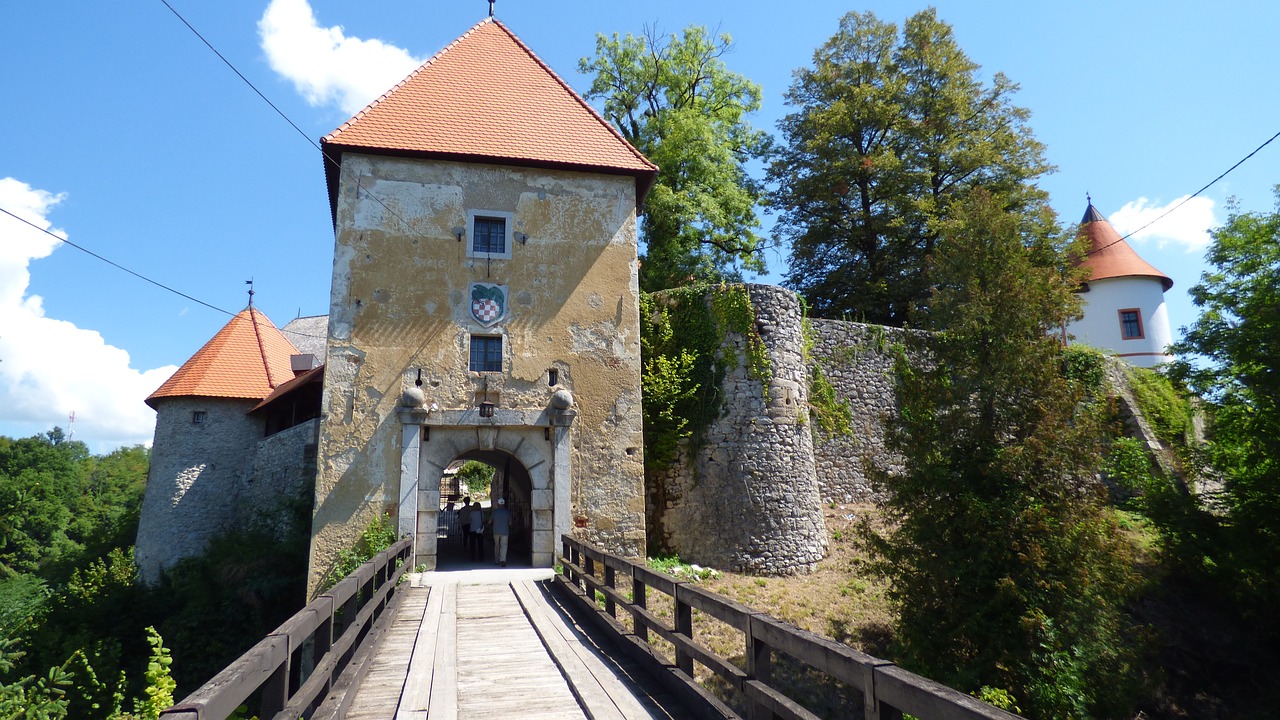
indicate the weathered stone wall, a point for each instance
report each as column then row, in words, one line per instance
column 858, row 361
column 748, row 499
column 400, row 304
column 284, row 472
column 196, row 484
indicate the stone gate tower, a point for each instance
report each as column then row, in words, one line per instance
column 484, row 304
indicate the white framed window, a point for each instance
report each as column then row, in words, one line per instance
column 198, row 417
column 489, row 234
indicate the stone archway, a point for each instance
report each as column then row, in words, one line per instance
column 512, row 482
column 538, row 441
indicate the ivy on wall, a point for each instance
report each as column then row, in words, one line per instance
column 684, row 353
column 831, row 413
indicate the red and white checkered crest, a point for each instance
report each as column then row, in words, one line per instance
column 488, row 303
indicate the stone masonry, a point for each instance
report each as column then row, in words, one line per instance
column 749, row 501
column 858, row 361
column 215, row 476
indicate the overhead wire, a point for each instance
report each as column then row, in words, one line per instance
column 364, row 191
column 1185, row 200
column 327, row 157
column 134, row 273
column 114, row 264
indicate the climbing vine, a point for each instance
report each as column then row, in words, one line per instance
column 734, row 313
column 831, row 413
column 685, row 357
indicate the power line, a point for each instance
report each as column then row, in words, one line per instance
column 138, row 275
column 1188, row 198
column 327, row 157
column 116, row 264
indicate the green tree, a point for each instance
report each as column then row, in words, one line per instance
column 1005, row 567
column 40, row 479
column 1231, row 357
column 675, row 100
column 475, row 478
column 888, row 128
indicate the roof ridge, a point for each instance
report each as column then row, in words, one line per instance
column 351, row 122
column 573, row 93
column 262, row 351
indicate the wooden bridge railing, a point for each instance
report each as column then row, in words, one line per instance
column 298, row 665
column 887, row 690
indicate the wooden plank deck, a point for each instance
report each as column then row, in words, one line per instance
column 499, row 649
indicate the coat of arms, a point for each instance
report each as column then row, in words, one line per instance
column 488, row 303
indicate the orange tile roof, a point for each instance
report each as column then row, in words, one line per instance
column 1110, row 256
column 247, row 359
column 487, row 96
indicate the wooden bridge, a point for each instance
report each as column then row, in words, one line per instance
column 605, row 638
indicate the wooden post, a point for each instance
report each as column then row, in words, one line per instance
column 759, row 667
column 638, row 598
column 684, row 626
column 323, row 642
column 609, row 605
column 275, row 691
column 564, row 556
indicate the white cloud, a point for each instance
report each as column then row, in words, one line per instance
column 50, row 368
column 324, row 64
column 1187, row 226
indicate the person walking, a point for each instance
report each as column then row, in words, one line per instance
column 464, row 524
column 501, row 521
column 477, row 532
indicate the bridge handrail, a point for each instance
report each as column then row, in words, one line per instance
column 334, row 623
column 888, row 691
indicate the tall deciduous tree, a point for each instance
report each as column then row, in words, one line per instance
column 888, row 127
column 1005, row 568
column 677, row 102
column 1231, row 357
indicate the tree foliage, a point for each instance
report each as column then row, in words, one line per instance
column 888, row 128
column 1005, row 567
column 1231, row 357
column 58, row 502
column 74, row 621
column 677, row 102
column 475, row 478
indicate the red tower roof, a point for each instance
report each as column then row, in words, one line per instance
column 1110, row 256
column 487, row 97
column 247, row 359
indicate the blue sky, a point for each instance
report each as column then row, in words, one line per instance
column 120, row 129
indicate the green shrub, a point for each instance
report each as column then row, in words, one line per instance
column 380, row 535
column 1166, row 408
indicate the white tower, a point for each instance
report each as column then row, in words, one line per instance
column 1124, row 308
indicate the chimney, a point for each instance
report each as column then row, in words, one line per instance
column 303, row 363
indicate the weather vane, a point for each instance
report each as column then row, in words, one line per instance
column 249, row 282
column 490, row 8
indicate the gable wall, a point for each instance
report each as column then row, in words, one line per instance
column 400, row 302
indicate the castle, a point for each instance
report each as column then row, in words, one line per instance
column 485, row 306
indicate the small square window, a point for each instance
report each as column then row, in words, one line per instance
column 1131, row 324
column 198, row 417
column 486, row 353
column 489, row 234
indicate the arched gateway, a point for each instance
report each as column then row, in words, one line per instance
column 530, row 451
column 485, row 299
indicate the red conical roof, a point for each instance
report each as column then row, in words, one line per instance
column 247, row 359
column 487, row 97
column 1109, row 255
